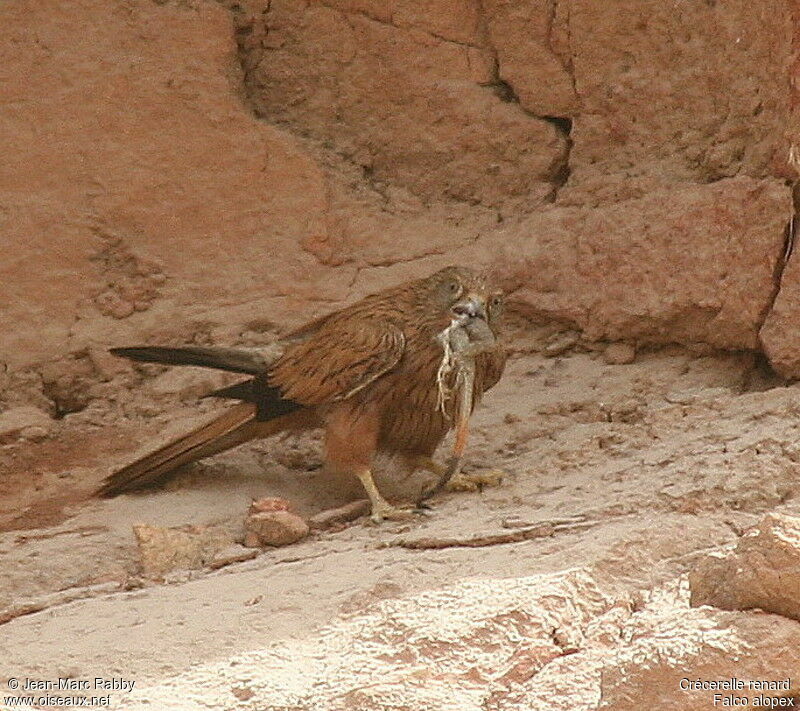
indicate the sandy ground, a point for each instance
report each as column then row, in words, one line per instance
column 664, row 458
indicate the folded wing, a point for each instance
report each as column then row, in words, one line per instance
column 341, row 358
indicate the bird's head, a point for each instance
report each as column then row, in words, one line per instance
column 464, row 294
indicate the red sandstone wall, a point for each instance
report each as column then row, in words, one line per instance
column 187, row 170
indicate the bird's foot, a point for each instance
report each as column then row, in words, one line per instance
column 384, row 511
column 475, row 481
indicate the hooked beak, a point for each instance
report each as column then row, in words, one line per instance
column 471, row 306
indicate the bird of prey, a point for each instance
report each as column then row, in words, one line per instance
column 372, row 375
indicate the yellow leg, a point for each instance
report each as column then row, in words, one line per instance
column 381, row 508
column 428, row 464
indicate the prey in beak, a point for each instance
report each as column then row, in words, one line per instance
column 471, row 306
column 470, row 315
column 467, row 336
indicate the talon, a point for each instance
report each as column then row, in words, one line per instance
column 382, row 510
column 424, row 495
column 391, row 513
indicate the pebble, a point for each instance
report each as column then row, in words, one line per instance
column 560, row 343
column 274, row 528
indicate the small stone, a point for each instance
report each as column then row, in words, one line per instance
column 34, row 434
column 14, row 422
column 274, row 528
column 243, row 693
column 560, row 343
column 619, row 354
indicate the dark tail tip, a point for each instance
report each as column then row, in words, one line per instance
column 135, row 353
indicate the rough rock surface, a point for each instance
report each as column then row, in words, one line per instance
column 163, row 550
column 630, row 270
column 656, row 461
column 275, row 159
column 408, row 96
column 779, row 334
column 215, row 172
column 539, row 642
column 763, row 571
column 656, row 113
column 160, row 193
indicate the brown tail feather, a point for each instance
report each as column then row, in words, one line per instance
column 233, row 427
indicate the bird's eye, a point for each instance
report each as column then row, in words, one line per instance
column 496, row 300
column 454, row 287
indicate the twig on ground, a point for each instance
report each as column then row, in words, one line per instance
column 342, row 514
column 62, row 597
column 513, row 522
column 545, row 529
